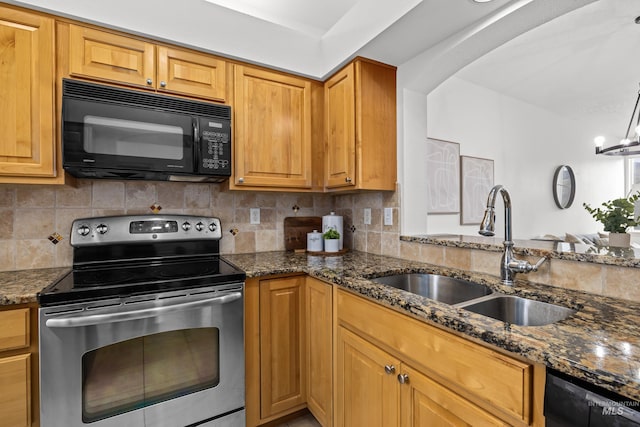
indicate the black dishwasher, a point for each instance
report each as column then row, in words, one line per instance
column 570, row 402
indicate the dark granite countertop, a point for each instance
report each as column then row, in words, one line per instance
column 20, row 287
column 600, row 344
column 622, row 257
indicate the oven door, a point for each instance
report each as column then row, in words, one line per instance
column 175, row 360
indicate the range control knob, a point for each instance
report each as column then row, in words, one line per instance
column 84, row 230
column 199, row 226
column 186, row 226
column 213, row 226
column 102, row 228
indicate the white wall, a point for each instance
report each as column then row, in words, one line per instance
column 526, row 144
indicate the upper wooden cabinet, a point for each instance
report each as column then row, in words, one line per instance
column 120, row 59
column 27, row 142
column 273, row 130
column 360, row 127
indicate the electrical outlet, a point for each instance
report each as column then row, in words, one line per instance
column 254, row 216
column 367, row 216
column 388, row 216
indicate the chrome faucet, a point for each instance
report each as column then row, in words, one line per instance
column 509, row 265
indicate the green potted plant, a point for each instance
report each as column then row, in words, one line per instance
column 617, row 216
column 331, row 240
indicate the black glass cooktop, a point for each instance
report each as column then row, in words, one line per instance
column 128, row 278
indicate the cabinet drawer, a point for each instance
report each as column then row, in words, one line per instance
column 492, row 377
column 14, row 329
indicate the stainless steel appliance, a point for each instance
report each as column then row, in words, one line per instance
column 109, row 132
column 146, row 330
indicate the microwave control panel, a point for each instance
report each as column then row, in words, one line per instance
column 215, row 146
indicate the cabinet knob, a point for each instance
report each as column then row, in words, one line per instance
column 347, row 179
column 149, row 82
column 403, row 378
column 389, row 369
column 163, row 84
column 240, row 180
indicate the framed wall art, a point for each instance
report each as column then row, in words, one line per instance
column 476, row 178
column 443, row 176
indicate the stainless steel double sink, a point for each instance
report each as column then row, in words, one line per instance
column 479, row 299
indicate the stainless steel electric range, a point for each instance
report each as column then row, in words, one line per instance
column 147, row 328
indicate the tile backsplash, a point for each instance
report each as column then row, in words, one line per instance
column 35, row 219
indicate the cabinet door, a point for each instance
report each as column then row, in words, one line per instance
column 426, row 403
column 191, row 73
column 272, row 129
column 367, row 390
column 27, row 143
column 15, row 391
column 282, row 375
column 111, row 57
column 318, row 296
column 340, row 113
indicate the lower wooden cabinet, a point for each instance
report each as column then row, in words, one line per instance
column 288, row 348
column 353, row 362
column 392, row 370
column 426, row 403
column 367, row 391
column 18, row 367
column 15, row 391
column 282, row 374
column 319, row 351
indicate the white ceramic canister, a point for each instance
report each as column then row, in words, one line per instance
column 314, row 241
column 333, row 221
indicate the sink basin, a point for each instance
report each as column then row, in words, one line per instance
column 440, row 288
column 519, row 311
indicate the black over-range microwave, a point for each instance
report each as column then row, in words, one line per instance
column 115, row 133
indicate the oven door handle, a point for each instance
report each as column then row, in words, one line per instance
column 120, row 316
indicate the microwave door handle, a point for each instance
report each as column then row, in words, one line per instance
column 196, row 131
column 98, row 319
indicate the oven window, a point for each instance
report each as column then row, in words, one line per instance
column 140, row 372
column 105, row 135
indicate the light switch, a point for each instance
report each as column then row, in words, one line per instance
column 388, row 216
column 254, row 216
column 367, row 216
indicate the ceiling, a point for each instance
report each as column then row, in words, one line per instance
column 581, row 65
column 584, row 65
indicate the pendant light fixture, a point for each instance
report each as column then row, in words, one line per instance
column 630, row 144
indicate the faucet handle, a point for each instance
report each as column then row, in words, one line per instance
column 522, row 266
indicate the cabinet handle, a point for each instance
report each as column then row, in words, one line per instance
column 149, row 82
column 347, row 179
column 389, row 369
column 403, row 378
column 163, row 84
column 240, row 180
